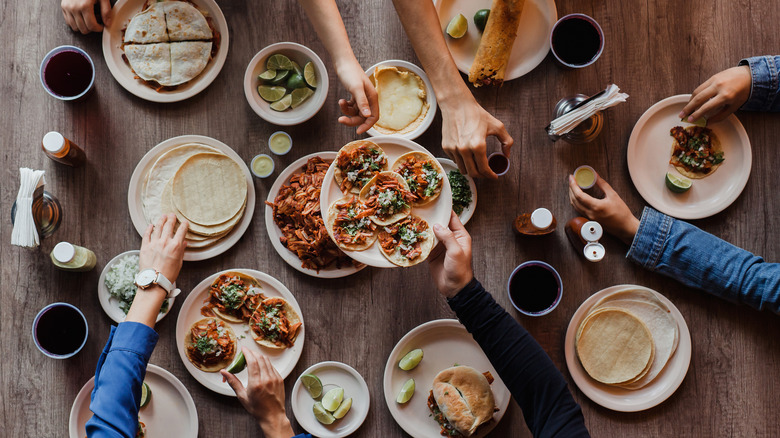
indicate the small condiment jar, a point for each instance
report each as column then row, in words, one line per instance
column 69, row 257
column 584, row 236
column 62, row 150
column 585, row 132
column 538, row 223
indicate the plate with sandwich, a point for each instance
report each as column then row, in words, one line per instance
column 455, row 386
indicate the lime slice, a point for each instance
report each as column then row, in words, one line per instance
column 238, row 365
column 312, row 384
column 280, row 77
column 322, row 415
column 297, row 68
column 270, row 93
column 332, row 399
column 295, row 81
column 481, row 18
column 279, row 62
column 310, row 74
column 146, row 394
column 457, row 27
column 411, row 360
column 407, row 391
column 701, row 121
column 343, row 409
column 267, row 75
column 300, row 95
column 677, row 184
column 282, row 104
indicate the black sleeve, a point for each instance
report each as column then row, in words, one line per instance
column 537, row 386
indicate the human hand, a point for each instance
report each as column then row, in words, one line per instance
column 720, row 95
column 450, row 261
column 161, row 249
column 263, row 397
column 464, row 130
column 611, row 212
column 362, row 109
column 80, row 14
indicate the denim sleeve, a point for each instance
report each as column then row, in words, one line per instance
column 765, row 90
column 118, row 379
column 700, row 260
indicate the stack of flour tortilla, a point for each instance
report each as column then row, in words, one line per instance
column 627, row 338
column 198, row 183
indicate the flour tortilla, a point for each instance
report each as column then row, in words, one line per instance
column 330, row 222
column 221, row 364
column 684, row 171
column 250, row 282
column 339, row 174
column 150, row 62
column 185, row 22
column 147, row 26
column 644, row 296
column 292, row 316
column 205, row 232
column 188, row 59
column 395, row 217
column 422, row 156
column 209, row 189
column 426, row 245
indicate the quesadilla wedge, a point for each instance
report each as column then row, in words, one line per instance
column 148, row 26
column 696, row 151
column 350, row 224
column 388, row 198
column 185, row 22
column 357, row 163
column 406, row 242
column 188, row 59
column 150, row 62
column 423, row 174
column 229, row 294
column 275, row 324
column 210, row 345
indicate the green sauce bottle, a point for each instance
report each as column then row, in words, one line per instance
column 69, row 257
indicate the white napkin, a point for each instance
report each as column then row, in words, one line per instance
column 25, row 233
column 565, row 123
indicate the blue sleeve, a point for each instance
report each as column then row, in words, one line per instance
column 700, row 260
column 302, row 435
column 765, row 90
column 118, row 379
column 538, row 387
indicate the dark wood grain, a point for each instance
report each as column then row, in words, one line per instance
column 654, row 49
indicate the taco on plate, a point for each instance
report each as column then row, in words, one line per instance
column 387, row 197
column 234, row 296
column 406, row 242
column 358, row 162
column 210, row 345
column 275, row 324
column 696, row 151
column 351, row 225
column 423, row 174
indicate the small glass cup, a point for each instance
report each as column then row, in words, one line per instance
column 258, row 161
column 280, row 143
column 576, row 41
column 498, row 163
column 67, row 73
column 60, row 330
column 535, row 288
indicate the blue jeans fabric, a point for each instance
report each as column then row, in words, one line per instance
column 765, row 90
column 700, row 260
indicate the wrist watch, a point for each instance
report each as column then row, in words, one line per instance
column 150, row 277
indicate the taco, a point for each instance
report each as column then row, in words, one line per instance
column 210, row 345
column 406, row 242
column 275, row 324
column 696, row 151
column 358, row 162
column 423, row 174
column 350, row 225
column 234, row 296
column 388, row 198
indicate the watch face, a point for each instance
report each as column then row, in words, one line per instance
column 145, row 277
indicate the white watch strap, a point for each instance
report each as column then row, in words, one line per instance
column 167, row 285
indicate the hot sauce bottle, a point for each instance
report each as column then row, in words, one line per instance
column 62, row 150
column 538, row 223
column 584, row 236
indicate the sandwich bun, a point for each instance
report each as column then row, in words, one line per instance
column 464, row 396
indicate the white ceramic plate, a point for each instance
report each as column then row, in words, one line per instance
column 437, row 212
column 445, row 342
column 465, row 215
column 530, row 47
column 137, row 181
column 170, row 400
column 626, row 400
column 430, row 97
column 274, row 233
column 332, row 374
column 283, row 360
column 109, row 303
column 649, row 151
column 124, row 11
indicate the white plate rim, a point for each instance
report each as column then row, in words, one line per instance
column 84, row 395
column 647, row 193
column 196, row 297
column 605, row 395
column 274, row 232
column 465, row 215
column 322, row 431
column 113, row 37
column 135, row 189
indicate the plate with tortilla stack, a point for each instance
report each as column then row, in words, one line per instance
column 708, row 166
column 233, row 309
column 166, row 51
column 380, row 199
column 199, row 179
column 295, row 224
column 516, row 37
column 628, row 348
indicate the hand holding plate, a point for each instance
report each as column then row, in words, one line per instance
column 80, row 15
column 450, row 261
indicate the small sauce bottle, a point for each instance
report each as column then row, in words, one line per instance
column 538, row 223
column 69, row 257
column 62, row 150
column 584, row 236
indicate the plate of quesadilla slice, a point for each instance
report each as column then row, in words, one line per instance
column 166, row 51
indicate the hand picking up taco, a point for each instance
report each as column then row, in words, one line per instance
column 358, row 162
column 349, row 221
column 422, row 173
column 234, row 296
column 461, row 400
column 275, row 324
column 696, row 151
column 406, row 242
column 388, row 198
column 210, row 345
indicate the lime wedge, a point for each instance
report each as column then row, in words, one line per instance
column 270, row 93
column 300, row 95
column 297, row 68
column 238, row 365
column 267, row 75
column 701, row 121
column 280, row 77
column 407, row 391
column 481, row 18
column 282, row 104
column 146, row 394
column 322, row 415
column 457, row 27
column 310, row 74
column 332, row 399
column 312, row 384
column 677, row 184
column 411, row 360
column 343, row 409
column 279, row 62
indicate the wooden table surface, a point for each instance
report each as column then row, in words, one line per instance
column 654, row 49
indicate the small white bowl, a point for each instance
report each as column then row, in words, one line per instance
column 283, row 134
column 430, row 97
column 257, row 157
column 293, row 116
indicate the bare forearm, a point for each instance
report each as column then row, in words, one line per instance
column 146, row 305
column 276, row 426
column 325, row 17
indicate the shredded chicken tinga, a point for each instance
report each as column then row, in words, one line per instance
column 275, row 323
column 387, row 198
column 696, row 152
column 234, row 296
column 351, row 224
column 211, row 344
column 422, row 175
column 358, row 162
column 405, row 241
